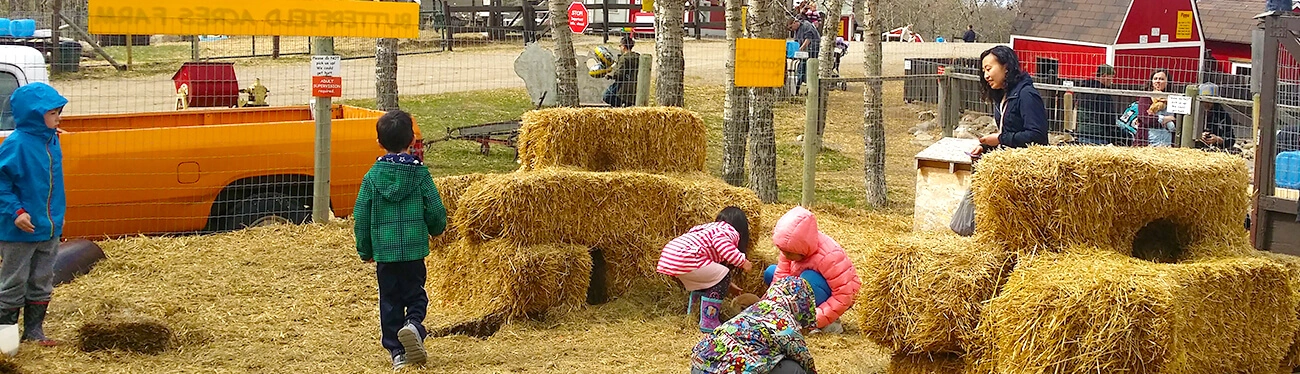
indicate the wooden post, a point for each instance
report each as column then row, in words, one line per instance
column 942, row 110
column 1189, row 123
column 604, row 20
column 129, row 56
column 194, row 48
column 695, row 16
column 54, row 33
column 1068, row 103
column 954, row 106
column 449, row 37
column 643, row 80
column 275, row 47
column 530, row 21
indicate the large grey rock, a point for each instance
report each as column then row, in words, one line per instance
column 536, row 66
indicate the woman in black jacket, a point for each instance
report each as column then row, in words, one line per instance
column 1017, row 106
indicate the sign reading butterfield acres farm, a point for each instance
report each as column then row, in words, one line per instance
column 366, row 19
column 760, row 62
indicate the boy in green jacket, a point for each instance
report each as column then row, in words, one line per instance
column 397, row 209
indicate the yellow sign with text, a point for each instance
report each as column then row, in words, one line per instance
column 342, row 18
column 1185, row 22
column 760, row 62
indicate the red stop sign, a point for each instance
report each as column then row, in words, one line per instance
column 578, row 18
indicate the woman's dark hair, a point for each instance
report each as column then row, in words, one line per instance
column 627, row 41
column 737, row 219
column 1007, row 57
column 1150, row 87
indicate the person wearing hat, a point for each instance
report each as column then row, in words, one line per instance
column 1218, row 133
column 623, row 92
column 1097, row 112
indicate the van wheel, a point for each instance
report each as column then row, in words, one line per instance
column 269, row 208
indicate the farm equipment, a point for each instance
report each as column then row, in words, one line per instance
column 504, row 133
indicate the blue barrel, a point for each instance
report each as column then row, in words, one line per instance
column 790, row 48
column 1288, row 170
column 22, row 28
column 4, row 27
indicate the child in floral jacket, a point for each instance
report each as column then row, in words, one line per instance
column 765, row 338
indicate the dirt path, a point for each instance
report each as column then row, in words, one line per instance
column 463, row 70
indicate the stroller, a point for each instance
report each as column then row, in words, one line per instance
column 841, row 49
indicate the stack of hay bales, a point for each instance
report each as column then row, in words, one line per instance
column 1090, row 259
column 621, row 182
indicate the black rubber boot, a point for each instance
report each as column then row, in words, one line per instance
column 9, row 316
column 34, row 323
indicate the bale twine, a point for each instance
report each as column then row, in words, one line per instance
column 1103, row 312
column 125, row 333
column 649, row 139
column 923, row 294
column 1052, row 198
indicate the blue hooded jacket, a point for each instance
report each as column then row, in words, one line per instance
column 31, row 167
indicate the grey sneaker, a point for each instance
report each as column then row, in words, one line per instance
column 399, row 361
column 414, row 346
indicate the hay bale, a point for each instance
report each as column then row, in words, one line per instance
column 131, row 334
column 503, row 277
column 946, row 363
column 450, row 189
column 1292, row 264
column 1107, row 313
column 924, row 293
column 1052, row 198
column 650, row 139
column 8, row 366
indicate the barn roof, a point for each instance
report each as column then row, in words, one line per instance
column 1229, row 20
column 1092, row 21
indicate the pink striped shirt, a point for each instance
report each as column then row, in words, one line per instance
column 704, row 244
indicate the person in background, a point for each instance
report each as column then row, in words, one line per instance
column 969, row 37
column 808, row 38
column 1097, row 112
column 623, row 92
column 1155, row 123
column 1018, row 108
column 1219, row 133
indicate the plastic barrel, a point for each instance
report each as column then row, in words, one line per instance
column 69, row 57
column 22, row 28
column 75, row 257
column 790, row 48
column 1287, row 170
column 4, row 27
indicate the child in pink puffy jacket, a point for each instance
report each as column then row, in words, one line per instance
column 699, row 259
column 815, row 257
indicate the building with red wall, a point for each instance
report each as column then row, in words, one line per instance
column 1067, row 39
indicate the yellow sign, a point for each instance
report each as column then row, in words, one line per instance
column 1185, row 22
column 648, row 6
column 760, row 62
column 366, row 19
column 744, row 18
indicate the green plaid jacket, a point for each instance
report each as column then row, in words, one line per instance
column 397, row 209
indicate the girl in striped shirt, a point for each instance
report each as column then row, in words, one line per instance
column 699, row 258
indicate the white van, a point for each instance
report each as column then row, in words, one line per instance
column 19, row 65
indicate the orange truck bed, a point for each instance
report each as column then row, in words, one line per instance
column 207, row 170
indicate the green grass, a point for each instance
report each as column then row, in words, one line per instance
column 839, row 173
column 437, row 113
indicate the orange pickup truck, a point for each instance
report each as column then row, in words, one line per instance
column 196, row 170
column 207, row 170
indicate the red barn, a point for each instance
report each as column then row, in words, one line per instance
column 1067, row 39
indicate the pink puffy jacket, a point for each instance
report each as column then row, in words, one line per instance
column 796, row 232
